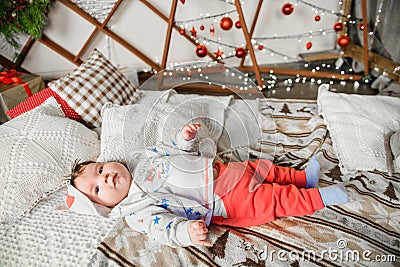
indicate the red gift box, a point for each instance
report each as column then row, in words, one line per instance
column 15, row 87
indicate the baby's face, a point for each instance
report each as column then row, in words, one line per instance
column 104, row 183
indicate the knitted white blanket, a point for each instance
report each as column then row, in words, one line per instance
column 52, row 237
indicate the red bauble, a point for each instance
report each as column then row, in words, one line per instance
column 317, row 18
column 287, row 9
column 182, row 31
column 338, row 26
column 212, row 30
column 202, row 27
column 240, row 52
column 238, row 25
column 226, row 23
column 182, row 1
column 201, row 51
column 343, row 41
column 361, row 26
column 308, row 45
column 260, row 47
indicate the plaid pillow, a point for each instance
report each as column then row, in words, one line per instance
column 94, row 83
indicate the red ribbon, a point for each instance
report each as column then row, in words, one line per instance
column 11, row 76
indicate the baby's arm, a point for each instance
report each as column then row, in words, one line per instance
column 167, row 228
column 189, row 131
column 198, row 233
column 186, row 137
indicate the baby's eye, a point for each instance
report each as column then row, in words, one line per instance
column 97, row 189
column 100, row 169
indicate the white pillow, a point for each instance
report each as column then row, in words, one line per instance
column 151, row 97
column 357, row 125
column 115, row 118
column 132, row 127
column 38, row 149
column 114, row 141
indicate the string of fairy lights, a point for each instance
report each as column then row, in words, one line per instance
column 183, row 24
column 271, row 81
column 97, row 9
column 206, row 17
column 343, row 20
column 225, row 50
column 256, row 41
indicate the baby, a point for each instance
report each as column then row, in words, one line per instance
column 173, row 198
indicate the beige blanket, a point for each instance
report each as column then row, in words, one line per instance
column 364, row 232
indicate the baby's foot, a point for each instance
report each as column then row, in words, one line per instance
column 334, row 195
column 312, row 173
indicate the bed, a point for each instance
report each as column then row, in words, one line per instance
column 345, row 132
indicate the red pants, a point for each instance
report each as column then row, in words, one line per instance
column 257, row 192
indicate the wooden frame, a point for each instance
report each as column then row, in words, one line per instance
column 356, row 52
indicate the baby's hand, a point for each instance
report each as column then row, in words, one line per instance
column 189, row 131
column 198, row 233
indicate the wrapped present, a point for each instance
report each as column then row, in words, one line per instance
column 15, row 87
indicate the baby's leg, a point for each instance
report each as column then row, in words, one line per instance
column 266, row 172
column 267, row 203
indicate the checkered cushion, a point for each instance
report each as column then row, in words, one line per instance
column 94, row 83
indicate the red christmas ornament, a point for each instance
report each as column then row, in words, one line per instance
column 218, row 53
column 238, row 25
column 202, row 27
column 317, row 18
column 193, row 31
column 260, row 47
column 338, row 26
column 182, row 31
column 212, row 30
column 287, row 9
column 201, row 51
column 343, row 41
column 361, row 26
column 226, row 23
column 240, row 52
column 182, row 1
column 308, row 45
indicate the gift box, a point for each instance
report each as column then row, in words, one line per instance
column 15, row 87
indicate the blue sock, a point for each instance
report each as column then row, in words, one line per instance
column 334, row 195
column 312, row 173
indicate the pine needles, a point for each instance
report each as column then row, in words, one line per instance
column 23, row 16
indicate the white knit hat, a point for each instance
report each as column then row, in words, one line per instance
column 76, row 201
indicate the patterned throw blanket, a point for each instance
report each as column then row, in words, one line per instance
column 360, row 233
